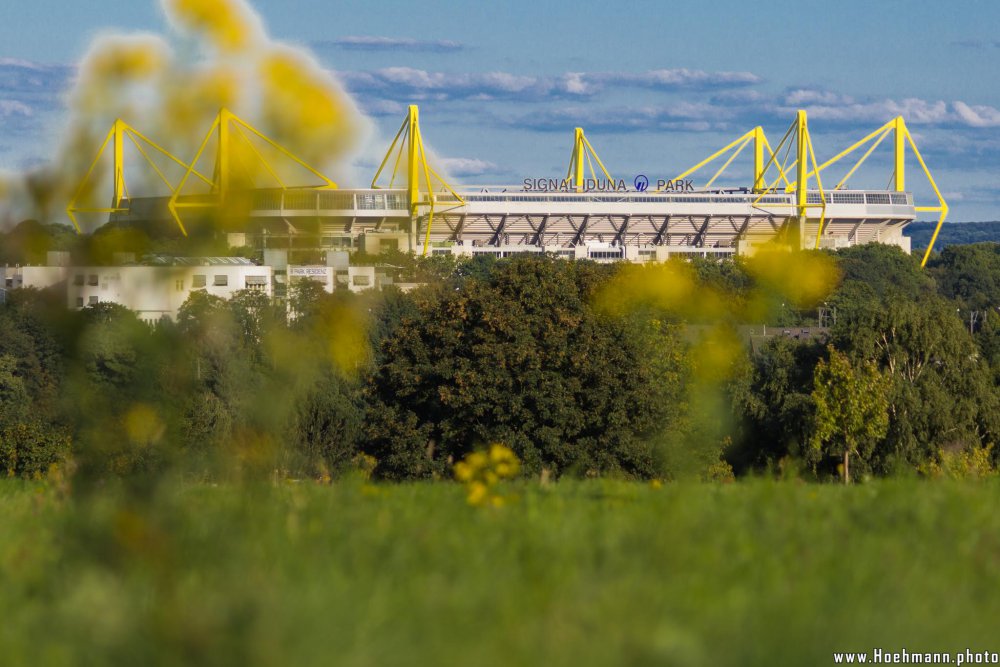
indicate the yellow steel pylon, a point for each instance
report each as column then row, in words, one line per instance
column 227, row 129
column 118, row 134
column 901, row 138
column 806, row 168
column 796, row 136
column 583, row 154
column 734, row 148
column 409, row 139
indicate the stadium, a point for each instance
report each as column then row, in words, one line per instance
column 590, row 214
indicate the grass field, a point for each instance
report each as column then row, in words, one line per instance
column 575, row 573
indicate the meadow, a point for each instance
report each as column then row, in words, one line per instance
column 593, row 572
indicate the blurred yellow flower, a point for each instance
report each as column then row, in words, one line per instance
column 482, row 471
column 478, row 493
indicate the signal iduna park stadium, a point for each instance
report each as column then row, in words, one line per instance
column 588, row 214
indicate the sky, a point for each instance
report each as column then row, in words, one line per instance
column 657, row 86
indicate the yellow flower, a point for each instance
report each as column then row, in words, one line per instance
column 477, row 493
column 482, row 471
column 463, row 471
column 477, row 460
column 500, row 453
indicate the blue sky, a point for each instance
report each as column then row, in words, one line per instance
column 657, row 85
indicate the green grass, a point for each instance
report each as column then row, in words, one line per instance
column 578, row 573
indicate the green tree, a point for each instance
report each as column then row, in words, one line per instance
column 515, row 355
column 28, row 448
column 328, row 424
column 885, row 270
column 941, row 393
column 255, row 316
column 774, row 404
column 851, row 409
column 14, row 398
column 970, row 274
column 305, row 299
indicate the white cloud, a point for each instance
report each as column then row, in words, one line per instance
column 379, row 43
column 687, row 77
column 383, row 107
column 804, row 96
column 461, row 166
column 915, row 111
column 978, row 115
column 505, row 85
column 10, row 108
column 683, row 116
column 18, row 62
column 575, row 83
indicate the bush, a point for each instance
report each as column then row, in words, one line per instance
column 29, row 449
column 328, row 426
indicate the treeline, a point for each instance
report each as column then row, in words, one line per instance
column 926, row 341
column 952, row 233
column 30, row 241
column 582, row 369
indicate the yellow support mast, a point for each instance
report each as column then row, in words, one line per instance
column 409, row 140
column 796, row 136
column 118, row 134
column 226, row 129
column 899, row 128
column 583, row 156
column 761, row 147
column 759, row 144
column 901, row 139
column 801, row 178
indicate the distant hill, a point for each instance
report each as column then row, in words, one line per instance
column 952, row 233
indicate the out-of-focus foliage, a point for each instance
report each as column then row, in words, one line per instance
column 575, row 574
column 30, row 242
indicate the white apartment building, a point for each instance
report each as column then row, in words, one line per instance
column 156, row 292
column 39, row 277
column 353, row 278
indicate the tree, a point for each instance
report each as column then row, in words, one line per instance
column 109, row 345
column 327, row 424
column 518, row 356
column 970, row 274
column 29, row 448
column 851, row 408
column 885, row 270
column 305, row 299
column 941, row 393
column 29, row 242
column 775, row 404
column 14, row 398
column 255, row 316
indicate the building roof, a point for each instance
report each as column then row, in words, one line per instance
column 161, row 260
